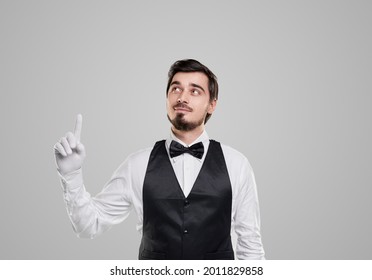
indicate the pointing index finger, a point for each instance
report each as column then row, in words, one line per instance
column 78, row 125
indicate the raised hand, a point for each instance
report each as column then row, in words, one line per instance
column 69, row 152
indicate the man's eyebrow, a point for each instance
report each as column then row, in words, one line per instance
column 197, row 86
column 175, row 83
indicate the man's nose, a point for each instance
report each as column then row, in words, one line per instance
column 183, row 97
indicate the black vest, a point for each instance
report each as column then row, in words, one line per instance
column 193, row 227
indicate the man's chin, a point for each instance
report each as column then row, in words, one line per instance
column 180, row 115
column 180, row 123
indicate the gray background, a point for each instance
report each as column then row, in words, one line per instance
column 295, row 98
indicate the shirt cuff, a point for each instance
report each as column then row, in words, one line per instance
column 72, row 180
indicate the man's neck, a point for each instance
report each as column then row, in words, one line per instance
column 188, row 137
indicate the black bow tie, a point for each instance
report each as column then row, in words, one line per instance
column 196, row 150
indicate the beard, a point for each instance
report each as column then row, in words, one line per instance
column 181, row 124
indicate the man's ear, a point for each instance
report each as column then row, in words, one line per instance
column 212, row 106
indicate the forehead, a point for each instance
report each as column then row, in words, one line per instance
column 186, row 78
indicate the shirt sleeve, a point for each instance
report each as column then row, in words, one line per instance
column 247, row 215
column 91, row 216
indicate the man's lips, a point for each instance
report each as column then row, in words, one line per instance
column 182, row 107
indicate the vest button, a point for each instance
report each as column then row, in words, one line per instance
column 185, row 231
column 187, row 203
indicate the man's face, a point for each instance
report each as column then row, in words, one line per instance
column 188, row 100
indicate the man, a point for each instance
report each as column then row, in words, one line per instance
column 187, row 191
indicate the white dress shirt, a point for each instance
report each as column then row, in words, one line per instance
column 93, row 216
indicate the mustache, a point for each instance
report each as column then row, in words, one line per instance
column 182, row 106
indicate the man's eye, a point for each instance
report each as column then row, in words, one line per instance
column 176, row 89
column 195, row 92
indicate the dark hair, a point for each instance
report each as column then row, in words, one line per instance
column 192, row 65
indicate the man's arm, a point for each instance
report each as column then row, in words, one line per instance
column 89, row 216
column 247, row 216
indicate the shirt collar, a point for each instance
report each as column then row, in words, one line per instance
column 202, row 138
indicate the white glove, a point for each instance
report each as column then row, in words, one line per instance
column 69, row 152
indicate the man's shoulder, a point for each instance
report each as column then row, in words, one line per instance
column 233, row 157
column 140, row 154
column 230, row 151
column 135, row 161
column 143, row 154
